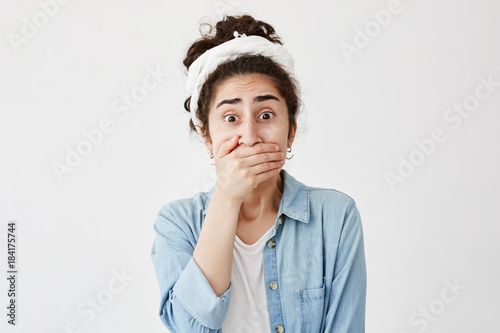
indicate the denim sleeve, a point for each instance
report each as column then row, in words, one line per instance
column 346, row 308
column 188, row 302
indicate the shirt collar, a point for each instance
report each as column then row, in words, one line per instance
column 294, row 201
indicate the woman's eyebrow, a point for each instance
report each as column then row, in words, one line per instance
column 256, row 100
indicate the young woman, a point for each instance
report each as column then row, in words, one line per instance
column 260, row 251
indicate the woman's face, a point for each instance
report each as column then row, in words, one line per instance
column 251, row 107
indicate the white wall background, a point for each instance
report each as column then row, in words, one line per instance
column 362, row 114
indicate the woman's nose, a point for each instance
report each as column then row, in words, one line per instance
column 249, row 134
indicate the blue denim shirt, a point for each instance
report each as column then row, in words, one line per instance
column 316, row 259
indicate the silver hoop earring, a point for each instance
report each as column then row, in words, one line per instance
column 211, row 156
column 289, row 151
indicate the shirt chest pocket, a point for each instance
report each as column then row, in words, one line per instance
column 311, row 306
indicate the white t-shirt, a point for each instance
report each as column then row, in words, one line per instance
column 248, row 306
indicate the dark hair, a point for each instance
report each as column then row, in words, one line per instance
column 243, row 65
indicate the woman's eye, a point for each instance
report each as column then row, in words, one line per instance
column 231, row 118
column 230, row 115
column 267, row 112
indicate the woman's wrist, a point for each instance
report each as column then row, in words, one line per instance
column 220, row 196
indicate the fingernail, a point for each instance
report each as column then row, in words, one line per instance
column 277, row 147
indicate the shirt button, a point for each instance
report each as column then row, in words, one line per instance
column 280, row 221
column 280, row 329
column 273, row 285
column 271, row 243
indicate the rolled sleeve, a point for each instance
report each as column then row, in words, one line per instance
column 196, row 295
column 188, row 302
column 346, row 307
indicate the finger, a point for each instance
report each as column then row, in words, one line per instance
column 267, row 166
column 266, row 157
column 256, row 149
column 227, row 146
column 263, row 176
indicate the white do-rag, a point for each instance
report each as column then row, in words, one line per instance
column 204, row 65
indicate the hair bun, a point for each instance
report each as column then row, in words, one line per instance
column 225, row 31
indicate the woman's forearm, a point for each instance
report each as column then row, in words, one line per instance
column 214, row 250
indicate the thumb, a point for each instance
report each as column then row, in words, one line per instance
column 228, row 145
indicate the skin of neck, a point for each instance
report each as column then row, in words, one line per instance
column 263, row 200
